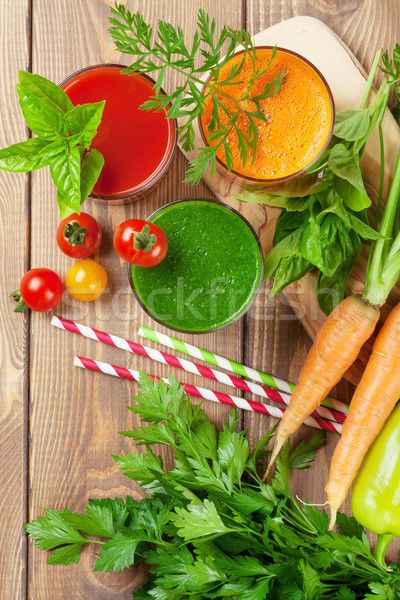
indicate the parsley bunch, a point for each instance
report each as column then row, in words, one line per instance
column 212, row 529
column 132, row 35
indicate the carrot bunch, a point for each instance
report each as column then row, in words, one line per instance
column 338, row 344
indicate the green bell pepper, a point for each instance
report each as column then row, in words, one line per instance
column 375, row 499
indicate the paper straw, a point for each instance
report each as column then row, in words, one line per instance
column 200, row 392
column 188, row 366
column 231, row 365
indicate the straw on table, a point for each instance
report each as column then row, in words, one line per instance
column 189, row 366
column 200, row 392
column 231, row 365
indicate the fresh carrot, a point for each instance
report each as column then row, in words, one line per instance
column 335, row 348
column 373, row 401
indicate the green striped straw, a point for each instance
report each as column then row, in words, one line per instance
column 230, row 365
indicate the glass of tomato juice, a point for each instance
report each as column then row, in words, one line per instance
column 138, row 146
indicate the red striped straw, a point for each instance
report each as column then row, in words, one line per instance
column 191, row 367
column 258, row 407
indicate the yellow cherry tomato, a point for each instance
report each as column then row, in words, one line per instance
column 86, row 280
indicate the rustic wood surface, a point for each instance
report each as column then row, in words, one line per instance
column 58, row 425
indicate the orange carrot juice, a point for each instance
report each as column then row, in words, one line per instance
column 300, row 117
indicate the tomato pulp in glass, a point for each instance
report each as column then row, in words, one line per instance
column 136, row 144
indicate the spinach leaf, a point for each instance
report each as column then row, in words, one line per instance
column 352, row 125
column 343, row 162
column 330, row 289
column 290, row 269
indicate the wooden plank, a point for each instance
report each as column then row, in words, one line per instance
column 76, row 415
column 14, row 342
column 279, row 345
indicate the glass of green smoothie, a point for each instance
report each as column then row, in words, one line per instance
column 212, row 270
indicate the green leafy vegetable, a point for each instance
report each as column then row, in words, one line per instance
column 212, row 529
column 132, row 35
column 63, row 134
column 330, row 202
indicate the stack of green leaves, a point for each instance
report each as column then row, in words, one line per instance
column 212, row 529
column 324, row 220
column 64, row 132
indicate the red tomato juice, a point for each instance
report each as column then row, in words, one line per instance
column 137, row 145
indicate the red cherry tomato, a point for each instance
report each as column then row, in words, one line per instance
column 140, row 243
column 40, row 289
column 79, row 236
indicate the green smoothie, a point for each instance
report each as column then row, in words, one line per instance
column 211, row 272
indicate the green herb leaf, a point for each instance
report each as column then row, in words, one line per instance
column 198, row 521
column 352, row 125
column 65, row 170
column 343, row 162
column 305, row 452
column 53, row 531
column 84, row 120
column 117, row 554
column 92, row 164
column 41, row 119
column 64, row 209
column 65, row 555
column 24, row 156
column 46, row 91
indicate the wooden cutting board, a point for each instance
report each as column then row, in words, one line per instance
column 346, row 77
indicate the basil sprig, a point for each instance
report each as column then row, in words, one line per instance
column 64, row 132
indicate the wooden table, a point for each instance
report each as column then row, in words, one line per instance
column 59, row 425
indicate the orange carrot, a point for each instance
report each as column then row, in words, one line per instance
column 335, row 348
column 372, row 403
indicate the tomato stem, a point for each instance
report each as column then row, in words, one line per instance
column 75, row 234
column 21, row 304
column 144, row 240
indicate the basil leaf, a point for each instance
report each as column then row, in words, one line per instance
column 289, row 221
column 65, row 170
column 92, row 165
column 352, row 125
column 41, row 119
column 364, row 231
column 84, row 119
column 24, row 156
column 281, row 201
column 287, row 247
column 64, row 209
column 344, row 164
column 330, row 290
column 48, row 92
column 291, row 268
column 351, row 196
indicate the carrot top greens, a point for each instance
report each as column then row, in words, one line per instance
column 170, row 50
